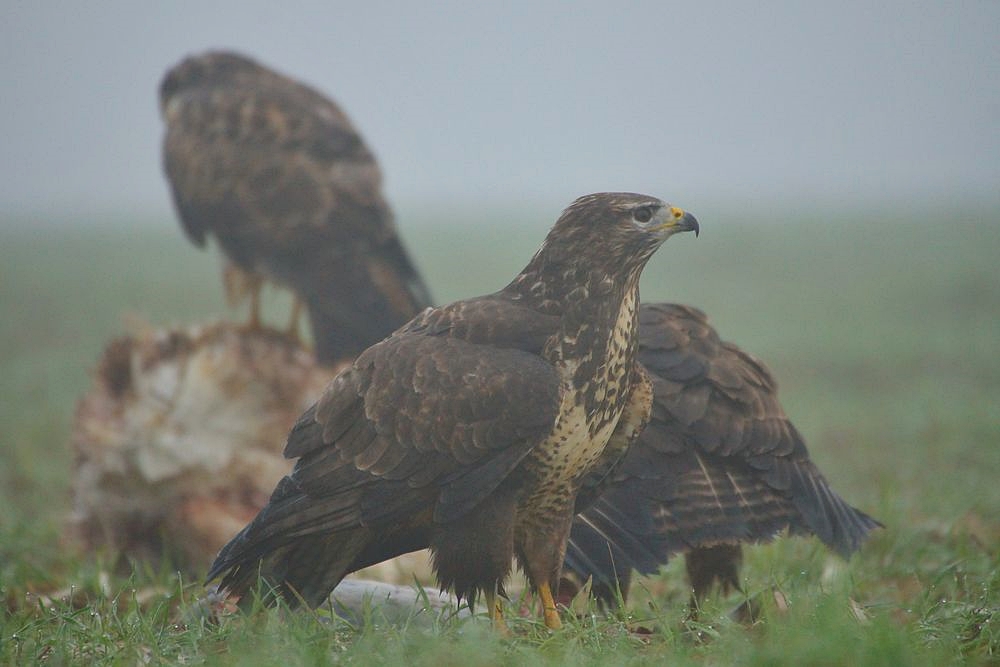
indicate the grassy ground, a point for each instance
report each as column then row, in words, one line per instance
column 884, row 333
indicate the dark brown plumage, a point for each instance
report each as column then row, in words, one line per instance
column 472, row 427
column 719, row 465
column 279, row 176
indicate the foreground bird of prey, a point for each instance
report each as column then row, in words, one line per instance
column 718, row 465
column 279, row 176
column 473, row 427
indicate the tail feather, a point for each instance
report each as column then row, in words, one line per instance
column 304, row 571
column 300, row 548
column 357, row 301
column 342, row 331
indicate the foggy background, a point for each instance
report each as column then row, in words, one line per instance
column 713, row 104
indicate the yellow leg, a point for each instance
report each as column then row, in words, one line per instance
column 493, row 604
column 254, row 323
column 293, row 325
column 549, row 607
column 238, row 284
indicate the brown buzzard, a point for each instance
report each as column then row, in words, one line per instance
column 472, row 427
column 718, row 465
column 278, row 175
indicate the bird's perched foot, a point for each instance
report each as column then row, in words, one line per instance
column 253, row 324
column 551, row 614
column 239, row 285
column 494, row 606
column 293, row 323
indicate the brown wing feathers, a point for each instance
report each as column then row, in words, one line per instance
column 719, row 464
column 420, row 426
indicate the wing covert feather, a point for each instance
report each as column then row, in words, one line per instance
column 427, row 410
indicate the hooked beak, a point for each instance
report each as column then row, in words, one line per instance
column 682, row 221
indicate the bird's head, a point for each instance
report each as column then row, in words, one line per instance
column 601, row 242
column 212, row 69
column 620, row 230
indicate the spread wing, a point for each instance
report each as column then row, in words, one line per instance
column 420, row 429
column 719, row 462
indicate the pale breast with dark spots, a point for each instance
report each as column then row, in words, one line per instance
column 596, row 385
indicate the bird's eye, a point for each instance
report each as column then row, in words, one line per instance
column 643, row 214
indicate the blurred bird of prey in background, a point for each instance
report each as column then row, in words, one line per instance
column 278, row 175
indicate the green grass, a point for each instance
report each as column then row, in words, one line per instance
column 883, row 329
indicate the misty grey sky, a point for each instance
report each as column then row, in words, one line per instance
column 531, row 102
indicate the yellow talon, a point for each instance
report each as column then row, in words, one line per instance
column 495, row 608
column 552, row 620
